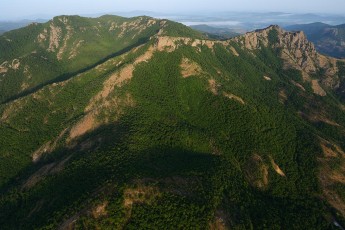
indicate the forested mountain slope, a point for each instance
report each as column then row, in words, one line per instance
column 44, row 53
column 176, row 132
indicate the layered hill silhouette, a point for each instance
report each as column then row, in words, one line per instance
column 140, row 123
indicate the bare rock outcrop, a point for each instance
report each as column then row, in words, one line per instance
column 296, row 52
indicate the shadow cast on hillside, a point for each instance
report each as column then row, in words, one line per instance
column 67, row 76
column 107, row 159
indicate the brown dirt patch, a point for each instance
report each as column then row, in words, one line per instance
column 213, row 86
column 219, row 222
column 330, row 175
column 10, row 110
column 104, row 103
column 118, row 79
column 233, row 50
column 282, row 96
column 87, row 123
column 234, row 97
column 140, row 194
column 170, row 44
column 189, row 68
column 100, row 210
column 65, row 40
column 42, row 36
column 75, row 48
column 48, row 147
column 317, row 88
column 331, row 150
column 54, row 37
column 276, row 167
column 146, row 56
column 166, row 44
column 3, row 67
column 318, row 116
column 24, row 86
column 256, row 172
column 15, row 64
column 42, row 150
column 267, row 78
column 298, row 85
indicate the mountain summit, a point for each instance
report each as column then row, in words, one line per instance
column 143, row 123
column 328, row 39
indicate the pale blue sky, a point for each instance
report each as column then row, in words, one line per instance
column 11, row 9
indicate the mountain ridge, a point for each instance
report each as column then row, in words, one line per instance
column 58, row 43
column 180, row 131
column 329, row 39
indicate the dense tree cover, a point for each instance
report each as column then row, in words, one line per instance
column 187, row 149
column 68, row 45
column 341, row 67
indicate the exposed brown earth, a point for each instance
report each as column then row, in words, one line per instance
column 319, row 115
column 317, row 88
column 100, row 210
column 140, row 194
column 42, row 37
column 276, row 167
column 267, row 78
column 234, row 97
column 298, row 85
column 87, row 123
column 233, row 50
column 189, row 68
column 213, row 86
column 65, row 40
column 169, row 44
column 3, row 67
column 330, row 175
column 54, row 37
column 48, row 147
column 75, row 48
column 103, row 101
column 256, row 172
column 282, row 96
column 298, row 53
column 219, row 222
column 15, row 64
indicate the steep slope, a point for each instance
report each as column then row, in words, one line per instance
column 41, row 54
column 300, row 54
column 329, row 40
column 181, row 132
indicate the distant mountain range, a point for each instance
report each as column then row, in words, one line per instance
column 328, row 39
column 216, row 32
column 12, row 25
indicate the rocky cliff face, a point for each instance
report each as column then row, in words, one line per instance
column 298, row 53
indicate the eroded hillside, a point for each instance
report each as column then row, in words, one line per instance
column 175, row 131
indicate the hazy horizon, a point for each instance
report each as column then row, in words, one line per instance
column 20, row 9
